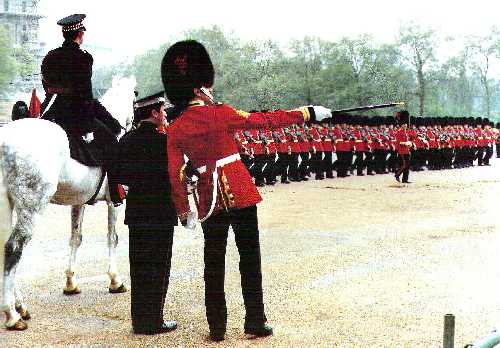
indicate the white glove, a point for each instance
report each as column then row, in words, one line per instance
column 321, row 112
column 190, row 222
column 88, row 137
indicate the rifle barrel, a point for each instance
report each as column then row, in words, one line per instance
column 368, row 107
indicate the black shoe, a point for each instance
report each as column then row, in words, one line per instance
column 360, row 174
column 217, row 336
column 261, row 331
column 285, row 181
column 397, row 178
column 304, row 178
column 260, row 184
column 167, row 326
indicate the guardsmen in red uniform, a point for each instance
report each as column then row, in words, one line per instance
column 284, row 154
column 403, row 145
column 270, row 151
column 244, row 149
column 488, row 136
column 259, row 155
column 314, row 138
column 342, row 147
column 305, row 148
column 294, row 146
column 328, row 144
column 497, row 139
column 379, row 152
column 226, row 195
column 481, row 142
column 361, row 148
column 433, row 148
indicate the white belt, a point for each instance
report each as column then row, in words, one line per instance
column 221, row 162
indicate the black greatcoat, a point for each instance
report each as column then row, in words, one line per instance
column 67, row 72
column 151, row 217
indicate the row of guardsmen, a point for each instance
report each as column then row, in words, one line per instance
column 361, row 144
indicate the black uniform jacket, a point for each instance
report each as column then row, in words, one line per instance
column 67, row 72
column 141, row 164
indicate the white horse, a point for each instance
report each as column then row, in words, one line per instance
column 37, row 169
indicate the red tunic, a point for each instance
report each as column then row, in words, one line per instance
column 204, row 133
column 293, row 141
column 316, row 139
column 280, row 140
column 402, row 137
column 326, row 140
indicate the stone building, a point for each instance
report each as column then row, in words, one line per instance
column 21, row 19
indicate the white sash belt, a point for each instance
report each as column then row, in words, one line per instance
column 221, row 162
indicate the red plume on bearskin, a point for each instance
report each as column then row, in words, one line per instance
column 35, row 105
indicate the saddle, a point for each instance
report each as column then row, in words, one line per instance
column 94, row 153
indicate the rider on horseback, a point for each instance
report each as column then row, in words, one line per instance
column 66, row 78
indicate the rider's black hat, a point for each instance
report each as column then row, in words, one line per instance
column 72, row 23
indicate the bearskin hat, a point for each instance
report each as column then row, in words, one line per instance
column 185, row 66
column 403, row 117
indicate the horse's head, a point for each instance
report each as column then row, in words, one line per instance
column 119, row 99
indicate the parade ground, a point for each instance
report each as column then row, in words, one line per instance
column 352, row 262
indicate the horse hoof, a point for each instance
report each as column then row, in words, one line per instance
column 24, row 314
column 75, row 291
column 121, row 289
column 20, row 325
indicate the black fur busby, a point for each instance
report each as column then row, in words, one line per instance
column 403, row 117
column 20, row 110
column 185, row 66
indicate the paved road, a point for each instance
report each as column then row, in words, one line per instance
column 355, row 262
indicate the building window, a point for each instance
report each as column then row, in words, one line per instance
column 6, row 5
column 24, row 6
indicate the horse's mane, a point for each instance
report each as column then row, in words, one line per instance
column 118, row 100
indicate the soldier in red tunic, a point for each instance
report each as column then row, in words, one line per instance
column 403, row 145
column 203, row 131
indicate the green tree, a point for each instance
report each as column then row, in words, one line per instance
column 418, row 48
column 7, row 62
column 484, row 49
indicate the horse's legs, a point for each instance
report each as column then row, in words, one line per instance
column 20, row 236
column 20, row 305
column 77, row 211
column 116, row 284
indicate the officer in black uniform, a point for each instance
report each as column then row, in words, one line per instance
column 66, row 78
column 150, row 214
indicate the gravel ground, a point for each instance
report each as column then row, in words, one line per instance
column 354, row 262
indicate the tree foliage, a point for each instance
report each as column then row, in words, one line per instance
column 7, row 61
column 345, row 73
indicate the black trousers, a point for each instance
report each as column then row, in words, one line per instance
column 215, row 229
column 404, row 167
column 150, row 253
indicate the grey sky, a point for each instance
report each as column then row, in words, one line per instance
column 131, row 27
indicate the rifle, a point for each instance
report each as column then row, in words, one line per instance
column 368, row 107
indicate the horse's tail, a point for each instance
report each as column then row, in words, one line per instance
column 5, row 220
